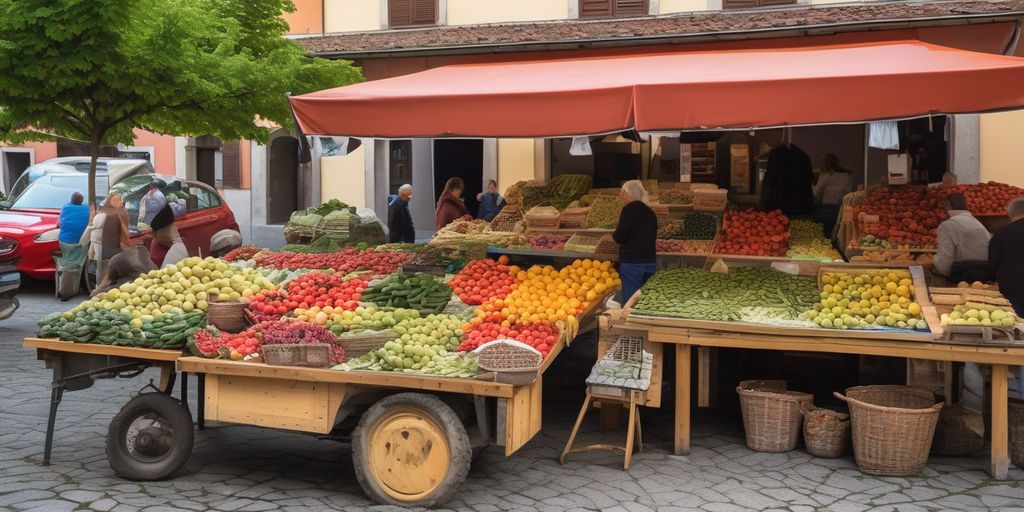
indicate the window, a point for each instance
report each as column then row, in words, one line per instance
column 399, row 164
column 612, row 8
column 231, row 165
column 53, row 192
column 753, row 4
column 412, row 13
column 201, row 199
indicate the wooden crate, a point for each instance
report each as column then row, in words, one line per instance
column 299, row 405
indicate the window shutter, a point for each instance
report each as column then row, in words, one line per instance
column 231, row 170
column 424, row 12
column 596, row 8
column 630, row 7
column 405, row 13
column 770, row 3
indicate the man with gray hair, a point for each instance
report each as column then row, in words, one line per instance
column 400, row 228
column 1006, row 256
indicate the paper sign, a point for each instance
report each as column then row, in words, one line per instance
column 580, row 146
column 899, row 169
column 787, row 267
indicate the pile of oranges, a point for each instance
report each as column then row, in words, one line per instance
column 547, row 294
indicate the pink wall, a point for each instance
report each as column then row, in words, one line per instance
column 163, row 147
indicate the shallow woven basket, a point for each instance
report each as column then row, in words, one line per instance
column 828, row 440
column 1016, row 418
column 771, row 415
column 893, row 428
column 573, row 218
column 710, row 200
column 357, row 345
column 541, row 222
column 506, row 220
column 501, row 357
column 227, row 316
column 298, row 354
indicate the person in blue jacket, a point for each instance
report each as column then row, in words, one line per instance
column 73, row 219
column 491, row 202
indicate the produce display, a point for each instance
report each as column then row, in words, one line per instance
column 869, row 241
column 539, row 335
column 906, row 215
column 425, row 345
column 749, row 294
column 754, row 233
column 670, row 228
column 558, row 193
column 867, row 300
column 345, row 261
column 423, row 292
column 987, row 199
column 114, row 327
column 481, row 280
column 604, row 211
column 806, row 242
column 675, row 197
column 214, row 344
column 685, row 246
column 546, row 294
column 977, row 314
column 549, row 242
column 245, row 252
column 700, row 226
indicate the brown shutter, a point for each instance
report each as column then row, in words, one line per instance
column 771, row 3
column 596, row 8
column 405, row 13
column 231, row 170
column 630, row 7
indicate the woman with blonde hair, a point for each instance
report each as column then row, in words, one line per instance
column 636, row 235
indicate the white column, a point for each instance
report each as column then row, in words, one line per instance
column 965, row 148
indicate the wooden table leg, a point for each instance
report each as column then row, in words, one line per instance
column 682, row 434
column 1000, row 422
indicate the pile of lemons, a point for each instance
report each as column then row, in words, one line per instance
column 871, row 299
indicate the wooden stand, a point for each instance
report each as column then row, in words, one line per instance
column 630, row 399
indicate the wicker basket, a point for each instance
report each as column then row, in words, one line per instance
column 507, row 219
column 513, row 362
column 359, row 344
column 893, row 428
column 771, row 415
column 582, row 243
column 713, row 200
column 1016, row 418
column 227, row 316
column 606, row 246
column 298, row 354
column 542, row 217
column 826, row 432
column 959, row 432
column 573, row 218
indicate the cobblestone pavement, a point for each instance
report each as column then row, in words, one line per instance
column 250, row 469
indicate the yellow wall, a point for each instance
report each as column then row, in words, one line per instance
column 351, row 15
column 344, row 178
column 515, row 161
column 671, row 6
column 1002, row 157
column 469, row 12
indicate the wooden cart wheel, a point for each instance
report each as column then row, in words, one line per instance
column 151, row 438
column 410, row 449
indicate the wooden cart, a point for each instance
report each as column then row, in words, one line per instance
column 413, row 436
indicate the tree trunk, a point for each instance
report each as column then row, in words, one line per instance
column 94, row 156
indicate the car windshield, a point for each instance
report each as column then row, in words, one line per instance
column 53, row 192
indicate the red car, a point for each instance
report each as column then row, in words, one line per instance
column 28, row 227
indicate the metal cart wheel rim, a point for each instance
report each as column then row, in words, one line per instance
column 156, row 438
column 409, row 455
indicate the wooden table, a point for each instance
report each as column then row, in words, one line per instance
column 1000, row 358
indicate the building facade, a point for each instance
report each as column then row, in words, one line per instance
column 388, row 38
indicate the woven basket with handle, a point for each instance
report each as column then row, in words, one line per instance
column 227, row 316
column 893, row 428
column 307, row 355
column 359, row 344
column 771, row 414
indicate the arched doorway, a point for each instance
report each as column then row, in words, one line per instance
column 282, row 179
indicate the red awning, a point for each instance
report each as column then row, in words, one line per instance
column 686, row 90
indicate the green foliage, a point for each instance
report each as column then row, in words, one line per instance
column 93, row 70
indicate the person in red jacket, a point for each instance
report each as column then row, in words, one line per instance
column 450, row 206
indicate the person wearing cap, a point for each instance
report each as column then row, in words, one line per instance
column 165, row 236
column 400, row 228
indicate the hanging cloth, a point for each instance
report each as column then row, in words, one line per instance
column 883, row 135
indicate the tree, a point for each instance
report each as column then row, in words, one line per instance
column 94, row 70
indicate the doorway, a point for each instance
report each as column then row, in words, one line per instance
column 282, row 179
column 14, row 163
column 206, row 148
column 463, row 158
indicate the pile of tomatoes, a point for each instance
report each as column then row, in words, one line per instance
column 483, row 279
column 754, row 233
column 236, row 346
column 315, row 289
column 987, row 199
column 345, row 261
column 907, row 215
column 539, row 335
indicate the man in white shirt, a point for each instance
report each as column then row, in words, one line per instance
column 962, row 244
